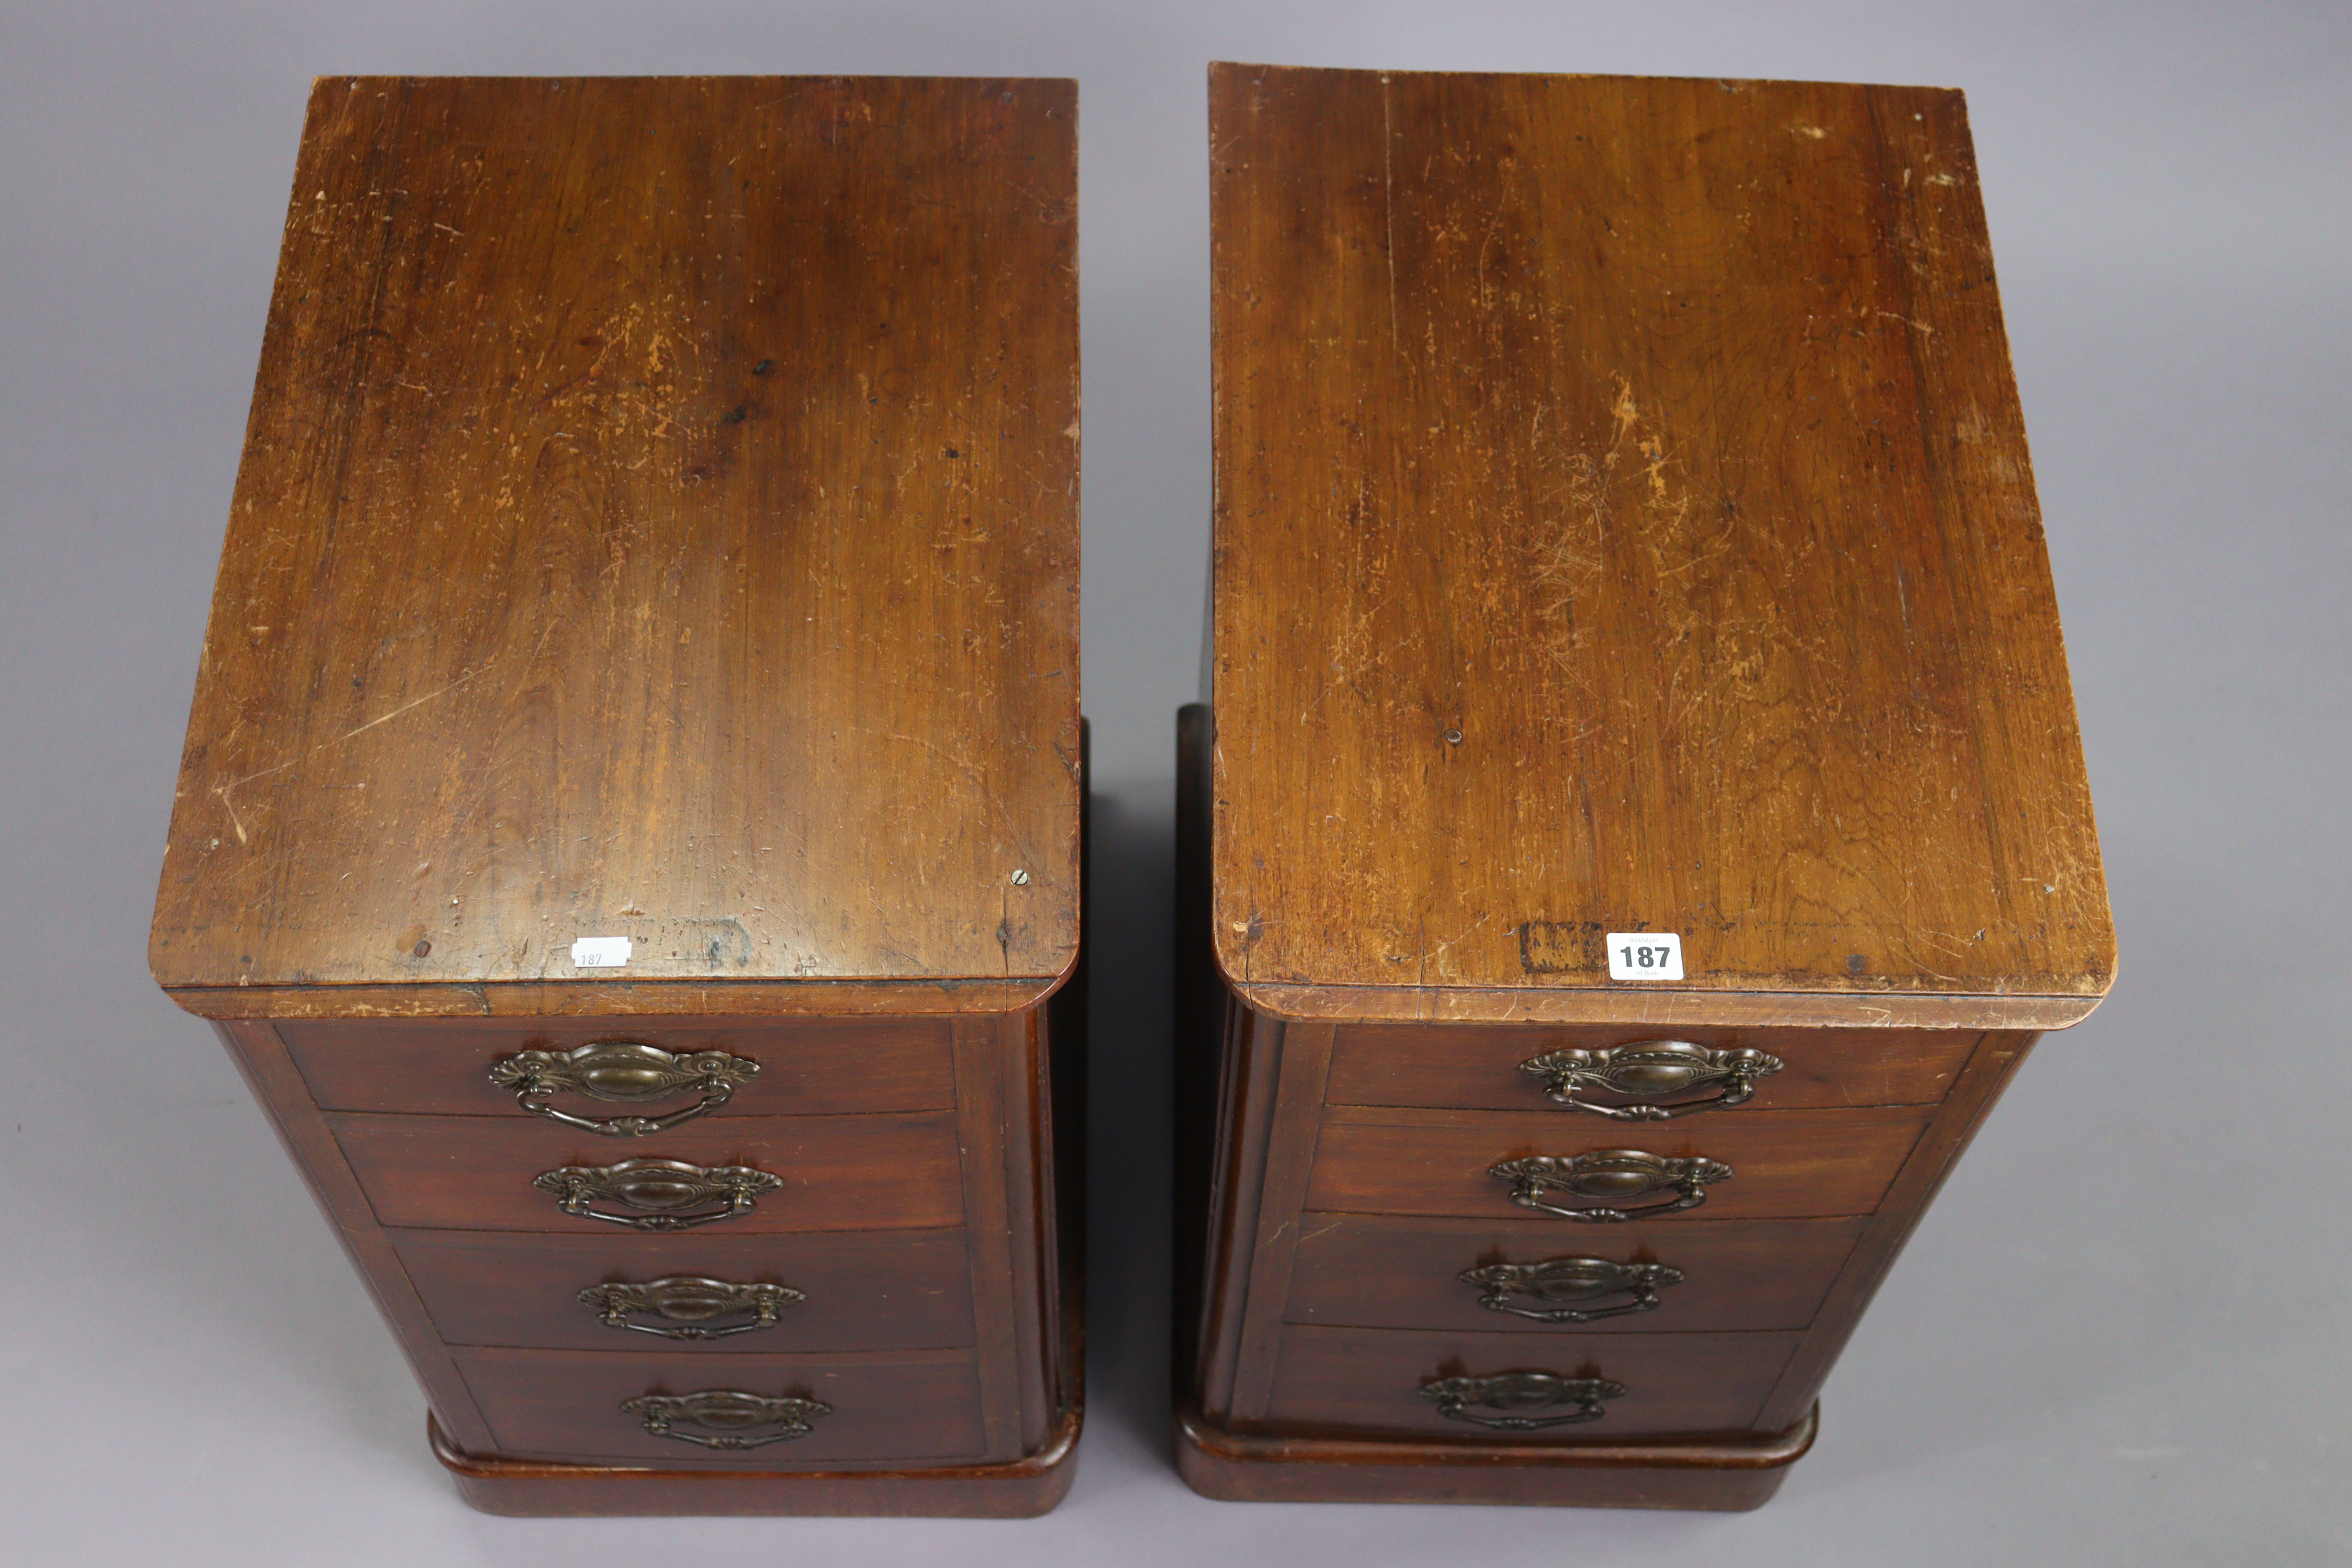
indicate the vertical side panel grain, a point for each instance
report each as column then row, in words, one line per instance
column 1242, row 1077
column 1987, row 1072
column 1305, row 1061
column 1062, row 1145
column 1196, row 1060
column 269, row 1072
column 1029, row 1214
column 980, row 1131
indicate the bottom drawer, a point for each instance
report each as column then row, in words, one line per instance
column 1369, row 1380
column 915, row 1406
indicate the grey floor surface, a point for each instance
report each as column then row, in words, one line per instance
column 2119, row 1337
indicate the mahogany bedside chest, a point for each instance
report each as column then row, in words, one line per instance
column 630, row 830
column 1639, row 824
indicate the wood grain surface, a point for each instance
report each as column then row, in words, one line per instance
column 1367, row 1380
column 1990, row 1071
column 657, row 518
column 1724, row 1475
column 1357, row 1271
column 895, row 1290
column 1786, row 1164
column 1014, row 1489
column 1624, row 522
column 840, row 1173
column 813, row 1067
column 887, row 1409
column 1472, row 1067
column 261, row 1060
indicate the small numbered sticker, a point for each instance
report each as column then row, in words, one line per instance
column 600, row 952
column 1644, row 955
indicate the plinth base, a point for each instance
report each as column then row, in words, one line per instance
column 1021, row 1489
column 1724, row 1475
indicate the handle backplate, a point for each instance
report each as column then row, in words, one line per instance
column 1648, row 1072
column 695, row 1307
column 1563, row 1290
column 624, row 1073
column 1611, row 1177
column 1514, row 1391
column 727, row 1419
column 667, row 1195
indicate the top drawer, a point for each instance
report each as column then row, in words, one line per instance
column 804, row 1067
column 1483, row 1067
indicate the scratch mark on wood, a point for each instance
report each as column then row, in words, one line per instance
column 224, row 790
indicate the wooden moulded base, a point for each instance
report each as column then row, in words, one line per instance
column 1727, row 1477
column 529, row 1489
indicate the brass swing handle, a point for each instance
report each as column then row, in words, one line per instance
column 1570, row 1280
column 1612, row 1175
column 693, row 1304
column 1649, row 1071
column 727, row 1418
column 622, row 1071
column 1522, row 1391
column 667, row 1195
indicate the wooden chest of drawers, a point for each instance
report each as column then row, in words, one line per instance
column 1639, row 823
column 630, row 830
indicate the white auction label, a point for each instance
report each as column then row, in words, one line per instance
column 612, row 951
column 1644, row 955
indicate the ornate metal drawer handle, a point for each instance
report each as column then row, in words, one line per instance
column 668, row 1193
column 624, row 1073
column 1570, row 1280
column 727, row 1419
column 1522, row 1391
column 1649, row 1071
column 692, row 1304
column 1610, row 1173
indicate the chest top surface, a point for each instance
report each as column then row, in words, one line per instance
column 657, row 520
column 1624, row 524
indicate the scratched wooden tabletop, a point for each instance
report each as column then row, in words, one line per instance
column 1624, row 522
column 659, row 519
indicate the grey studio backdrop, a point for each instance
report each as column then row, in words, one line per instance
column 2120, row 1337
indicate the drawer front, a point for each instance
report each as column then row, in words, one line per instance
column 806, row 1067
column 834, row 1173
column 567, row 1405
column 1353, row 1272
column 1460, row 1067
column 1786, row 1164
column 898, row 1290
column 1369, row 1380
